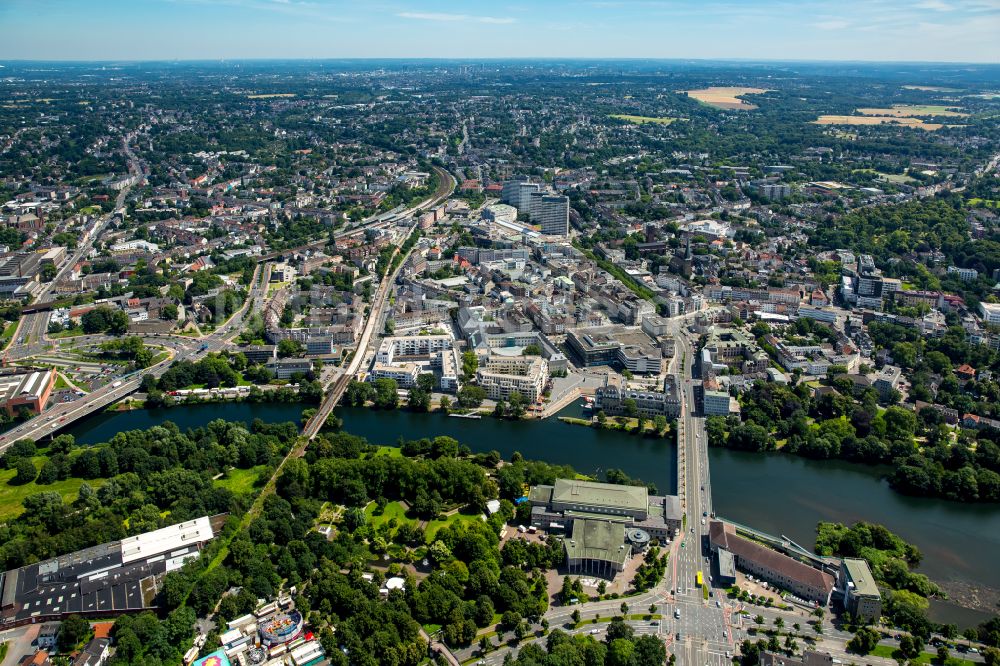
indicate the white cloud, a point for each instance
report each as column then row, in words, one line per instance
column 935, row 5
column 456, row 18
column 833, row 24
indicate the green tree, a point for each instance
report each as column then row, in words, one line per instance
column 25, row 472
column 288, row 347
column 386, row 393
column 73, row 630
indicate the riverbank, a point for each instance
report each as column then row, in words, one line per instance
column 778, row 494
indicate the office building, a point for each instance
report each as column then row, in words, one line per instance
column 551, row 212
column 887, row 381
column 630, row 349
column 769, row 565
column 613, row 396
column 860, row 593
column 716, row 403
column 517, row 193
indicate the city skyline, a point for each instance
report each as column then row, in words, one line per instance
column 886, row 30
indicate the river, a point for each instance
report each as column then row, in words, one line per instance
column 782, row 495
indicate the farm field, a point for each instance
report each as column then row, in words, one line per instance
column 877, row 120
column 726, row 97
column 914, row 110
column 641, row 120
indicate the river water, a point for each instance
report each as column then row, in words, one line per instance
column 781, row 495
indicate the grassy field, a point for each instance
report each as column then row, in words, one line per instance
column 68, row 333
column 889, row 652
column 434, row 526
column 914, row 110
column 12, row 497
column 392, row 510
column 8, row 334
column 988, row 203
column 241, row 481
column 642, row 120
column 897, row 178
column 722, row 97
column 877, row 120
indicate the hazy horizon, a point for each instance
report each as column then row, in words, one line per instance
column 925, row 31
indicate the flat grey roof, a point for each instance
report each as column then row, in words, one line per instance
column 590, row 493
column 598, row 540
column 861, row 576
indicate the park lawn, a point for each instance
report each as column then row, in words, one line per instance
column 434, row 526
column 976, row 201
column 391, row 451
column 12, row 497
column 67, row 333
column 889, row 652
column 240, row 481
column 8, row 333
column 392, row 510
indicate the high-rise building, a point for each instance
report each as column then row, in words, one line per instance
column 518, row 193
column 551, row 212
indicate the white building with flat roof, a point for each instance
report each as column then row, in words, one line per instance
column 503, row 375
column 990, row 312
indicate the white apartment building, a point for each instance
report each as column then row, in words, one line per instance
column 405, row 374
column 503, row 375
column 412, row 346
column 990, row 312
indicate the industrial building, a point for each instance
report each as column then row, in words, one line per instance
column 860, row 593
column 28, row 390
column 108, row 580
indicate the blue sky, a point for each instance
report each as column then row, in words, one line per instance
column 925, row 30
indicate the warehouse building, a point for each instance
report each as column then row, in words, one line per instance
column 28, row 390
column 106, row 580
